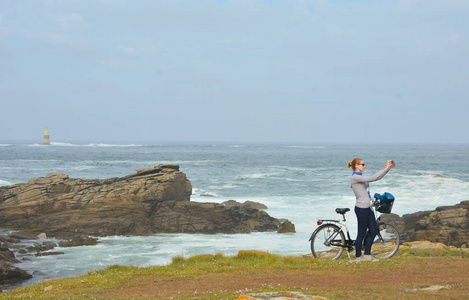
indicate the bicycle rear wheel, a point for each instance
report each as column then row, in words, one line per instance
column 386, row 242
column 327, row 241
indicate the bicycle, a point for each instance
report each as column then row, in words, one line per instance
column 328, row 240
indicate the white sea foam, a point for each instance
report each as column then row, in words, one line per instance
column 67, row 144
column 305, row 147
column 59, row 144
column 4, row 182
column 113, row 145
column 257, row 175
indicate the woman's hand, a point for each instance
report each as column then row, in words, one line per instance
column 390, row 164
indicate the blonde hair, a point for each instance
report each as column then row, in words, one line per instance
column 353, row 163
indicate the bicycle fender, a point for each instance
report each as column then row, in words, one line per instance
column 311, row 238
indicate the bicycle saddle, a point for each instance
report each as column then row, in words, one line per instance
column 342, row 210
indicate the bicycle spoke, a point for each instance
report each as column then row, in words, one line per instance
column 386, row 242
column 325, row 240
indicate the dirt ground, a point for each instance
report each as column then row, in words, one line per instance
column 425, row 278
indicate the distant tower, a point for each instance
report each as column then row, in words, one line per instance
column 46, row 139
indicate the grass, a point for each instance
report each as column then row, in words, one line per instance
column 228, row 277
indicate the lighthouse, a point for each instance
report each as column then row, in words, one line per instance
column 46, row 139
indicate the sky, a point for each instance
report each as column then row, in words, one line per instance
column 235, row 71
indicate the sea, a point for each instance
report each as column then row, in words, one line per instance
column 300, row 182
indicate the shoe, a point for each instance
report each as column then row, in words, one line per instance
column 368, row 257
column 358, row 259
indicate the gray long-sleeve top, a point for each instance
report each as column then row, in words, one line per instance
column 360, row 187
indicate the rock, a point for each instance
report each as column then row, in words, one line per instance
column 279, row 296
column 36, row 247
column 191, row 217
column 7, row 255
column 49, row 253
column 10, row 274
column 42, row 235
column 249, row 204
column 464, row 204
column 446, row 224
column 48, row 245
column 425, row 245
column 286, row 227
column 23, row 235
column 79, row 241
column 255, row 205
column 7, row 241
column 152, row 200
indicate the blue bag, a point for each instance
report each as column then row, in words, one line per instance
column 384, row 202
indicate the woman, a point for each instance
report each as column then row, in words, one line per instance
column 365, row 216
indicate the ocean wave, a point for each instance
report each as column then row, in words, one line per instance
column 114, row 145
column 257, row 175
column 5, row 183
column 66, row 144
column 204, row 193
column 305, row 147
column 83, row 167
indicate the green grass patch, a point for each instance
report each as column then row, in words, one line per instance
column 100, row 284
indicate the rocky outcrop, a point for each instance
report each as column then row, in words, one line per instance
column 286, row 227
column 12, row 274
column 447, row 224
column 14, row 250
column 152, row 200
column 249, row 204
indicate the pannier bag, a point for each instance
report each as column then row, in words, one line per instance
column 384, row 203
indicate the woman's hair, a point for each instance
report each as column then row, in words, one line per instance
column 353, row 163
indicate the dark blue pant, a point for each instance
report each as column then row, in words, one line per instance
column 366, row 220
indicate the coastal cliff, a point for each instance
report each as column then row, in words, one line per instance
column 152, row 200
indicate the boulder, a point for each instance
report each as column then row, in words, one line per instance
column 23, row 235
column 7, row 255
column 10, row 274
column 79, row 241
column 286, row 227
column 49, row 253
column 448, row 225
column 38, row 247
column 152, row 200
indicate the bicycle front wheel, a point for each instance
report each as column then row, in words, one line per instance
column 327, row 241
column 386, row 242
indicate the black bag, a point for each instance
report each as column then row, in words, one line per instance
column 384, row 202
